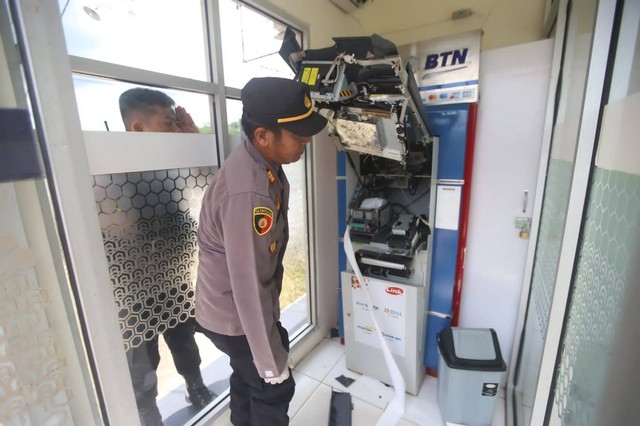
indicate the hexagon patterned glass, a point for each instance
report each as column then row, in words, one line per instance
column 148, row 222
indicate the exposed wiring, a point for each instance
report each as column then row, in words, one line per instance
column 425, row 221
column 353, row 166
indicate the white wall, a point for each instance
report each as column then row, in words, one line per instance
column 513, row 94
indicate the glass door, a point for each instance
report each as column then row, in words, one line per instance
column 148, row 182
column 575, row 118
column 139, row 69
column 46, row 377
column 604, row 272
column 129, row 200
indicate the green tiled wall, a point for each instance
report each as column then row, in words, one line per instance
column 602, row 276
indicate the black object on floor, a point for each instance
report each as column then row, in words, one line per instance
column 341, row 408
column 344, row 380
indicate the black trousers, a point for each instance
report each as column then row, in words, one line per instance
column 144, row 360
column 253, row 401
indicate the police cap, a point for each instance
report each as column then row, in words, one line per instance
column 274, row 101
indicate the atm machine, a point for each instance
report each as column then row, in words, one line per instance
column 375, row 112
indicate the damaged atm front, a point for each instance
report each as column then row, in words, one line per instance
column 376, row 115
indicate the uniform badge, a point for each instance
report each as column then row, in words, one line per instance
column 272, row 177
column 307, row 101
column 278, row 204
column 262, row 220
column 272, row 247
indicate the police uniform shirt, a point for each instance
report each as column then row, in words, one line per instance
column 243, row 233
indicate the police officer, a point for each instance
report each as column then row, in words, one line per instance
column 242, row 236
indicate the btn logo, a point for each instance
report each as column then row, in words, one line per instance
column 262, row 220
column 446, row 59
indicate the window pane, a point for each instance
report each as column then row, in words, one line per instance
column 98, row 104
column 165, row 36
column 234, row 113
column 294, row 297
column 250, row 44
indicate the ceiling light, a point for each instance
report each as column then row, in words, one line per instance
column 461, row 14
column 92, row 12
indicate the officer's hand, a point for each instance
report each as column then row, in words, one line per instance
column 281, row 378
column 185, row 122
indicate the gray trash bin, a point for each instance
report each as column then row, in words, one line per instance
column 469, row 374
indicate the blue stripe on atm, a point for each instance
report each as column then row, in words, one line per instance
column 342, row 258
column 342, row 266
column 342, row 163
column 342, row 207
column 450, row 123
column 445, row 245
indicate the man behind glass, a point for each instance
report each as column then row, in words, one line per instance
column 147, row 110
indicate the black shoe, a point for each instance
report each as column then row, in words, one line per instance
column 200, row 396
column 150, row 416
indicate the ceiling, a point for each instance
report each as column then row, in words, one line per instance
column 504, row 22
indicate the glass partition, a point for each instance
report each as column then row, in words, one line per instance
column 45, row 373
column 604, row 267
column 148, row 208
column 149, row 226
column 557, row 190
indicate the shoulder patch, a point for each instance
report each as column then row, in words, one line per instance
column 272, row 177
column 262, row 220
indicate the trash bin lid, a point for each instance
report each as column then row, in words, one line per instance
column 471, row 349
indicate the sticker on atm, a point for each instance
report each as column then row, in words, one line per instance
column 394, row 291
column 355, row 283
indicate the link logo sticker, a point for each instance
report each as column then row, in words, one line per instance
column 262, row 220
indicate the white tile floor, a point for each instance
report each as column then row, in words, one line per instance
column 315, row 378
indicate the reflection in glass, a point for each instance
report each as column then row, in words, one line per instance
column 97, row 100
column 164, row 36
column 148, row 222
column 250, row 44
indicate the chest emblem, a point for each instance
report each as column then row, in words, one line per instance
column 262, row 220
